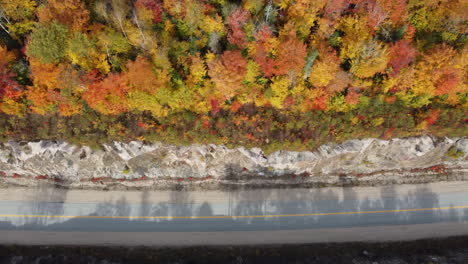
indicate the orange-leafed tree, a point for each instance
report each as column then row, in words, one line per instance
column 341, row 81
column 227, row 72
column 291, row 55
column 45, row 88
column 55, row 87
column 141, row 76
column 72, row 13
column 108, row 96
column 316, row 99
column 440, row 72
column 143, row 84
column 352, row 97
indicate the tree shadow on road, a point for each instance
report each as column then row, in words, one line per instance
column 323, row 208
column 45, row 201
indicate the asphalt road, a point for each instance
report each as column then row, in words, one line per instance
column 52, row 216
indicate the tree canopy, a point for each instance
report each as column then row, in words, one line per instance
column 168, row 58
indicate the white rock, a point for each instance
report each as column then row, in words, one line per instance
column 135, row 159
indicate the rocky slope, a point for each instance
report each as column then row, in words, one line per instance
column 135, row 164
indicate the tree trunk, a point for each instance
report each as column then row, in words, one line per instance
column 6, row 30
column 135, row 17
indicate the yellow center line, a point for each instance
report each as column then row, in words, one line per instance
column 236, row 216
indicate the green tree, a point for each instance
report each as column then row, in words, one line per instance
column 47, row 42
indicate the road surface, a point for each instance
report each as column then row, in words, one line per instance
column 58, row 216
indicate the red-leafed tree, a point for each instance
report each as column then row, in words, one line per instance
column 236, row 21
column 432, row 117
column 447, row 81
column 215, row 108
column 352, row 97
column 334, row 8
column 375, row 13
column 401, row 54
column 10, row 90
column 396, row 9
column 261, row 50
column 152, row 5
column 5, row 73
column 91, row 77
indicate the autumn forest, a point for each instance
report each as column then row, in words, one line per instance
column 280, row 74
